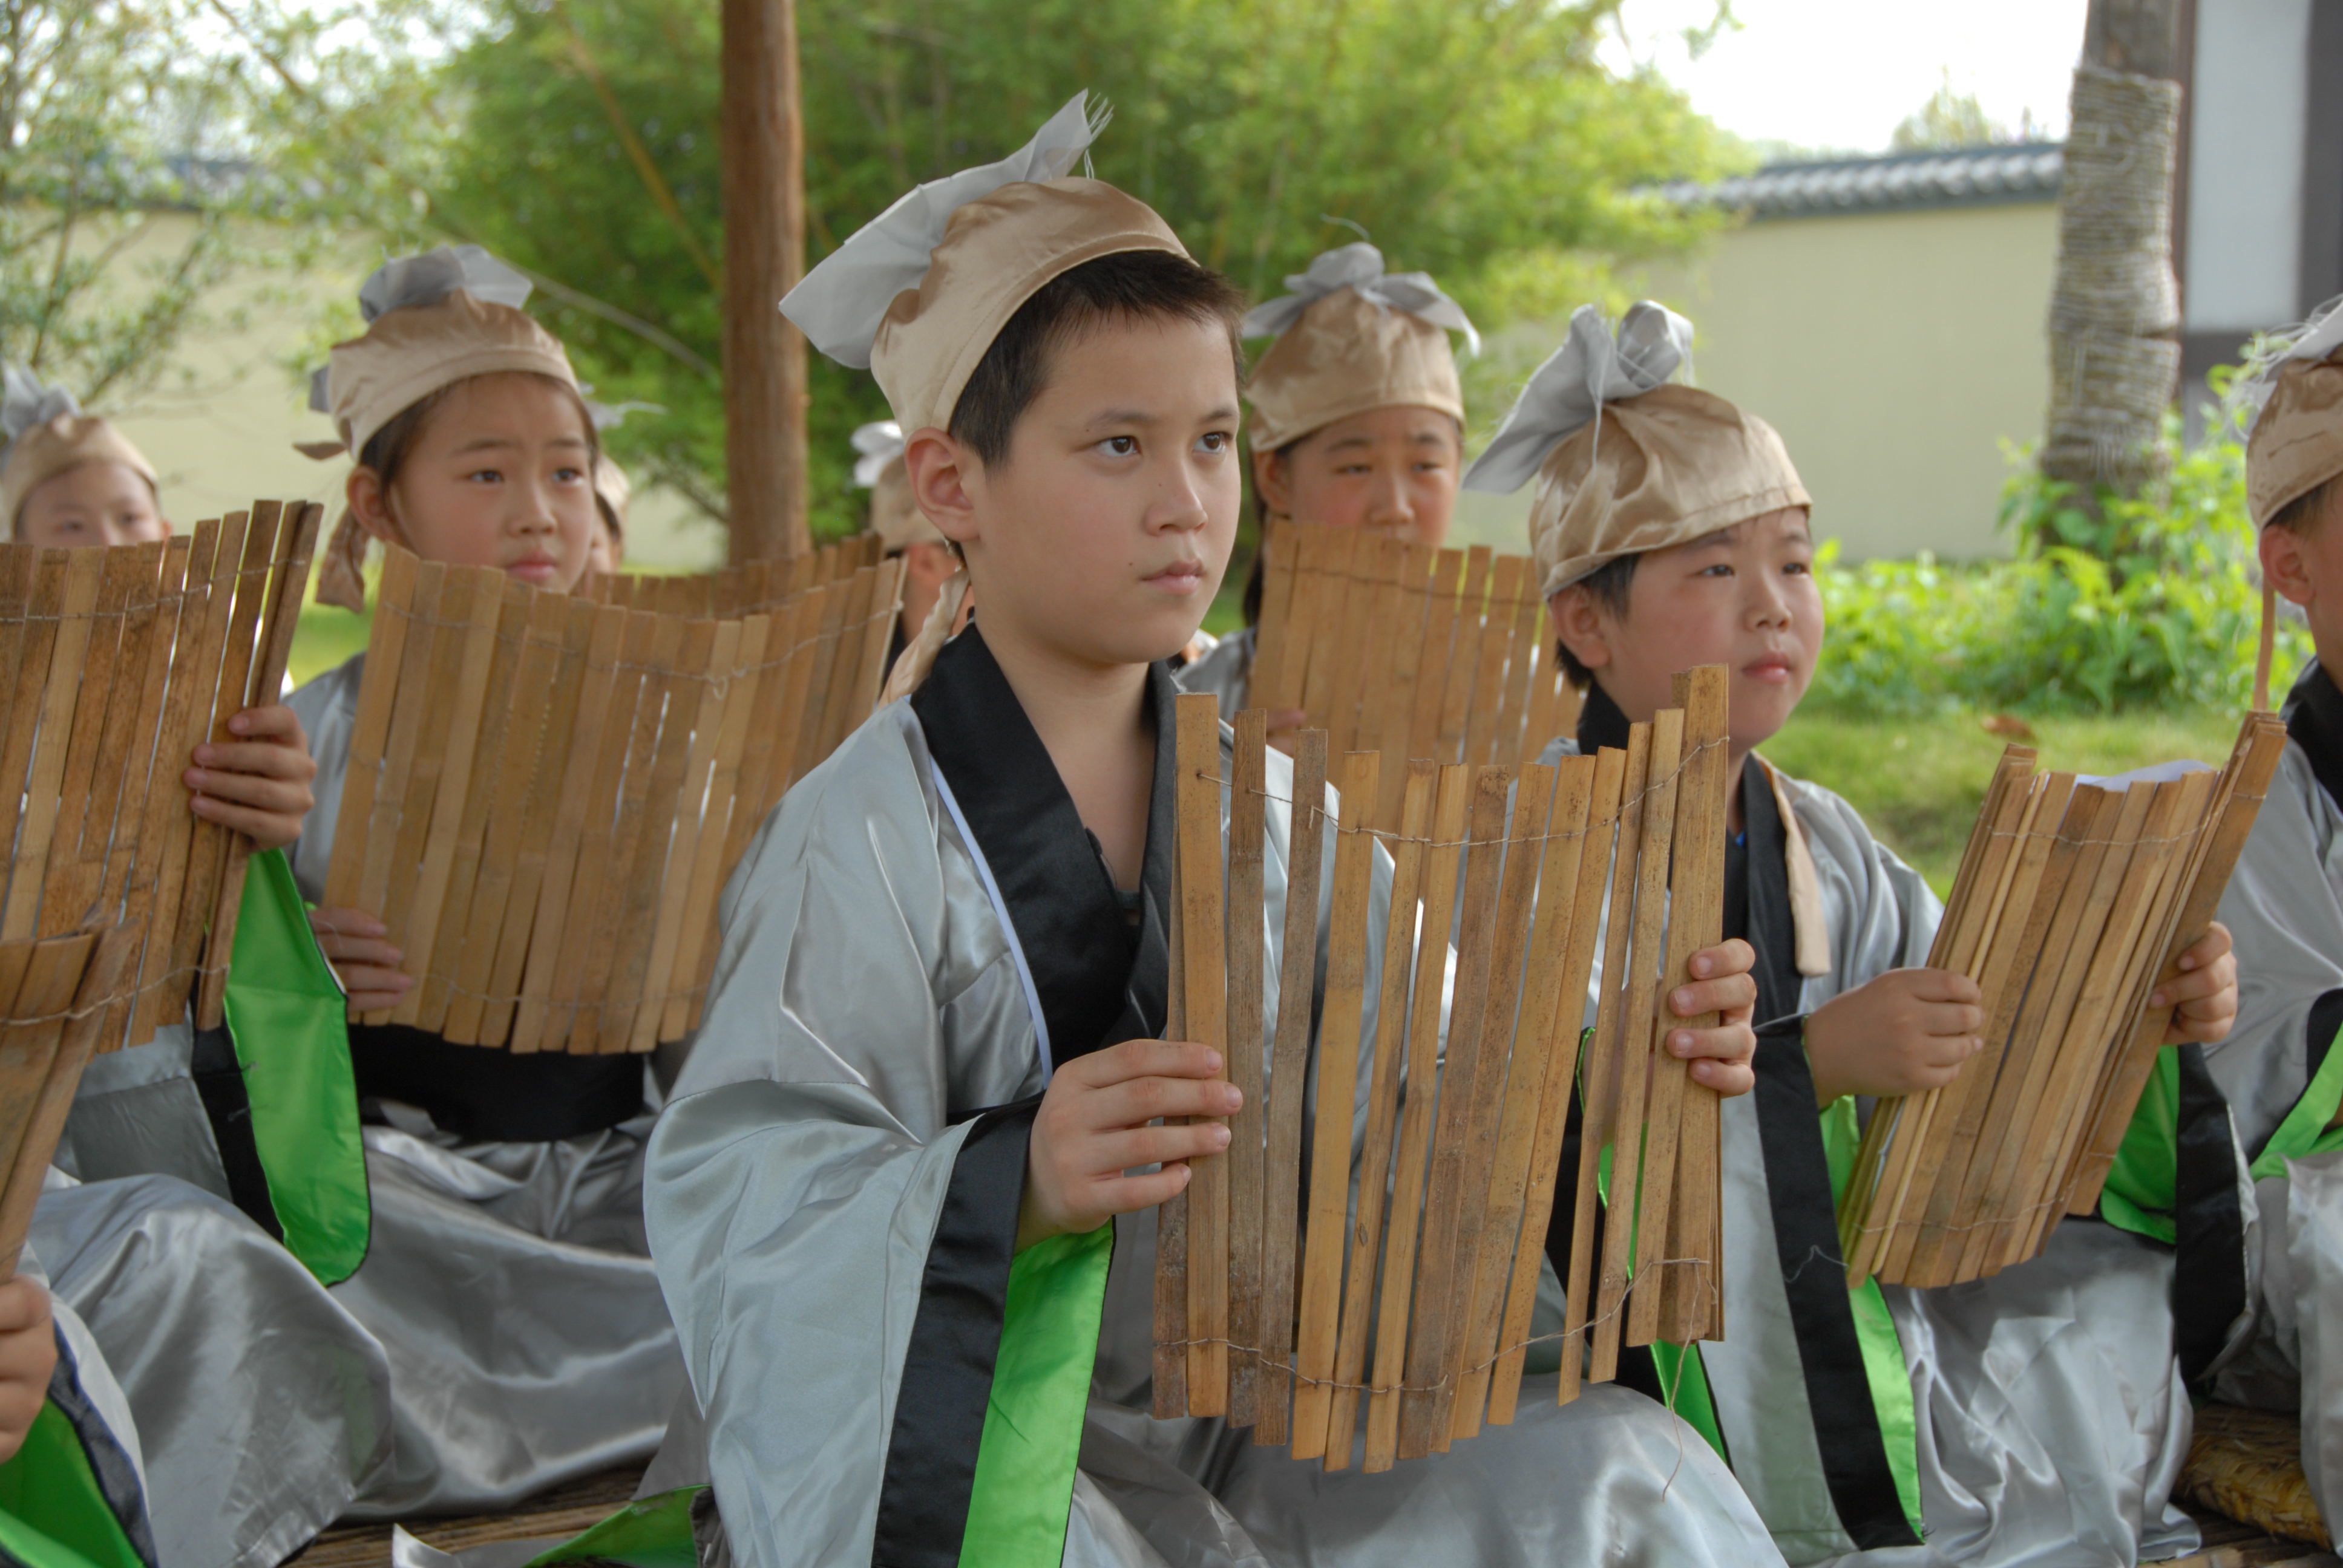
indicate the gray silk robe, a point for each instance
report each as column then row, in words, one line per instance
column 2278, row 1073
column 919, row 933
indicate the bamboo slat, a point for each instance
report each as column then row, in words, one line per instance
column 1420, row 1248
column 546, row 792
column 2073, row 900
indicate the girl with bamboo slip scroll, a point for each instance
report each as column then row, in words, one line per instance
column 257, row 1404
column 889, row 1199
column 2034, row 1416
column 554, row 1357
column 2267, row 1329
column 1357, row 421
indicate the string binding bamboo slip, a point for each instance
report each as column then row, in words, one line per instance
column 1265, row 1313
column 1391, row 647
column 114, row 664
column 547, row 791
column 2073, row 902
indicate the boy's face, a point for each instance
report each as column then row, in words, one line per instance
column 1391, row 469
column 1743, row 597
column 1102, row 537
column 501, row 475
column 91, row 504
column 2306, row 564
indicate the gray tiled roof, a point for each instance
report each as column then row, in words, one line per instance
column 1961, row 176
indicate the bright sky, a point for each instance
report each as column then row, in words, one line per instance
column 1843, row 74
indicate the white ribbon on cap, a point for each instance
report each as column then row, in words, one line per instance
column 427, row 279
column 840, row 303
column 27, row 402
column 1360, row 265
column 1591, row 367
column 2317, row 338
column 879, row 443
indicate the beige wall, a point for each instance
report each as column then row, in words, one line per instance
column 1894, row 352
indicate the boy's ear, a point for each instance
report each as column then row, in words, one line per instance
column 1273, row 476
column 1578, row 622
column 2283, row 565
column 947, row 482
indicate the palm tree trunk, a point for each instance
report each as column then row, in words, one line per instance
column 2115, row 307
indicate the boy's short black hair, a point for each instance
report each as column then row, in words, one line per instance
column 2307, row 509
column 1608, row 586
column 1130, row 285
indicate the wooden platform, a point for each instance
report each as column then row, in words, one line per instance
column 564, row 1511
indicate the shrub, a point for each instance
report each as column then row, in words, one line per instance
column 2155, row 601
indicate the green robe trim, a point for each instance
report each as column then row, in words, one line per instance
column 1040, row 1389
column 2306, row 1129
column 650, row 1533
column 53, row 1513
column 287, row 1016
column 2141, row 1186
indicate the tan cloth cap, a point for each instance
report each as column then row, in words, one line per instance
column 2297, row 442
column 414, row 351
column 920, row 292
column 1349, row 338
column 49, row 449
column 996, row 254
column 1345, row 355
column 1664, row 467
column 878, row 468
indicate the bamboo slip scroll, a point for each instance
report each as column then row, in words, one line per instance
column 114, row 664
column 57, row 995
column 1390, row 646
column 547, row 791
column 1406, row 1317
column 2073, row 902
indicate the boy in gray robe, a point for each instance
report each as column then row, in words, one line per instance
column 2032, row 1417
column 903, row 1202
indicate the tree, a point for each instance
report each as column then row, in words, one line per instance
column 2114, row 304
column 104, row 126
column 1951, row 119
column 577, row 138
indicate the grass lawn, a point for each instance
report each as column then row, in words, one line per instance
column 1918, row 782
column 324, row 637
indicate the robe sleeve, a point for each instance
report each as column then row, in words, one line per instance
column 2284, row 909
column 835, row 1248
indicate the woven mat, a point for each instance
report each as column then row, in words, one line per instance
column 564, row 1511
column 2247, row 1464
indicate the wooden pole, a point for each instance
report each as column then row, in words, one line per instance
column 764, row 255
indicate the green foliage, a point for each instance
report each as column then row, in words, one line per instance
column 2153, row 602
column 579, row 139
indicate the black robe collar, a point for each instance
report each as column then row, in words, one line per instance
column 1600, row 722
column 2314, row 722
column 1099, row 980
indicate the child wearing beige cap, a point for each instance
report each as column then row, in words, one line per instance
column 2266, row 1315
column 69, row 479
column 549, row 1354
column 1357, row 421
column 2035, row 1417
column 904, row 1198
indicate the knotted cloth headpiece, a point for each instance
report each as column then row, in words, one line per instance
column 879, row 468
column 920, row 292
column 46, row 434
column 1625, row 462
column 432, row 320
column 1351, row 338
